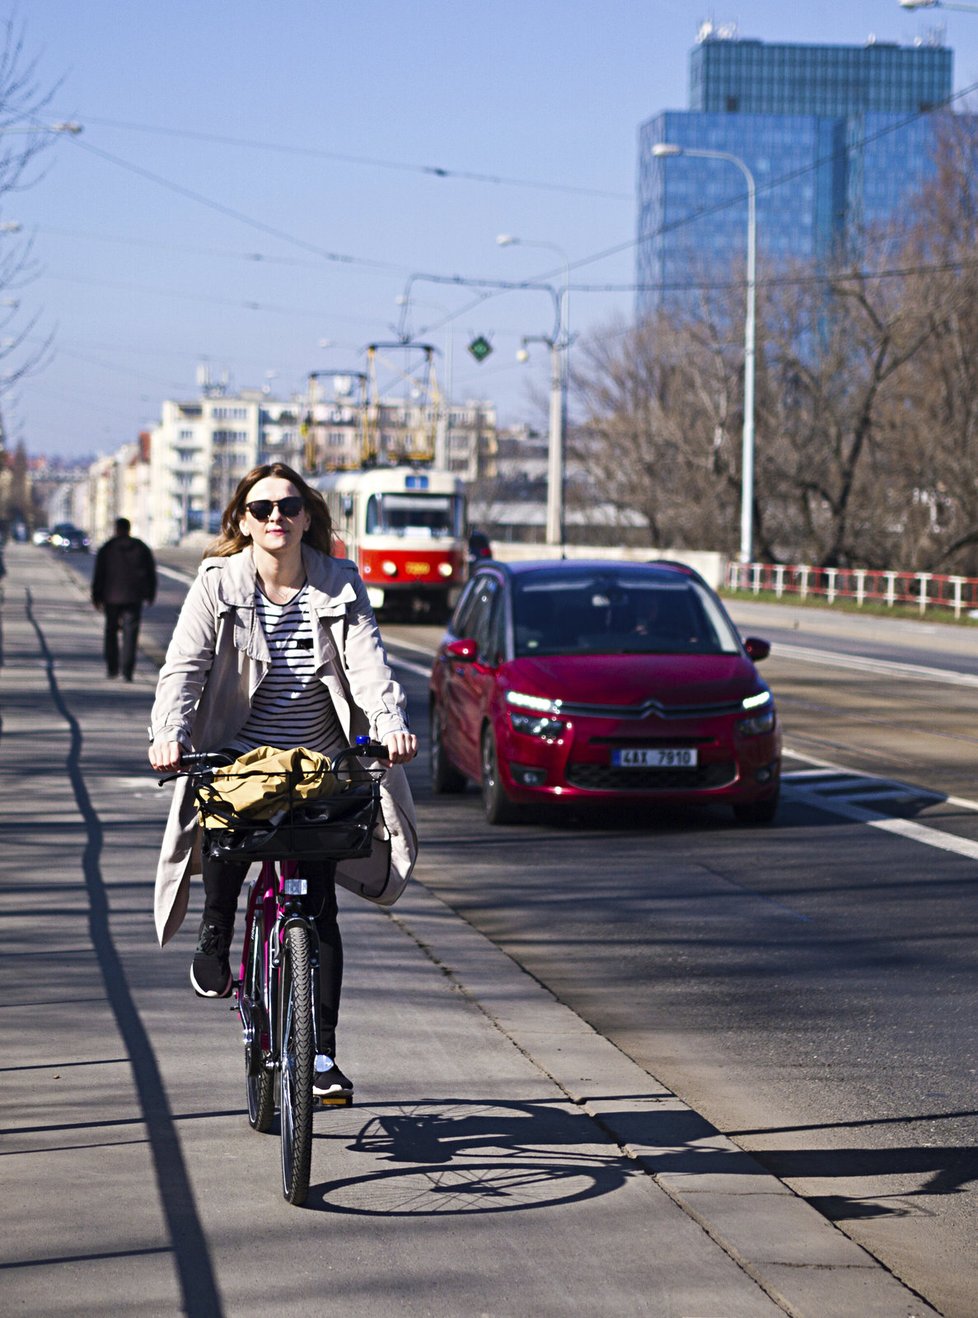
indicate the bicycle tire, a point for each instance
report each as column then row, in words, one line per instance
column 298, row 1059
column 259, row 1080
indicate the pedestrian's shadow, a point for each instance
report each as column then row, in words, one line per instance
column 933, row 1169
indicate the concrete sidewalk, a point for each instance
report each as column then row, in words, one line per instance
column 502, row 1158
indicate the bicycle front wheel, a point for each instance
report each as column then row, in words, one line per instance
column 298, row 1060
column 259, row 1080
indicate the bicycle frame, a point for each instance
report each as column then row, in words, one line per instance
column 270, row 891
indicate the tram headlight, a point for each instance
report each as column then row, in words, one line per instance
column 389, row 567
column 445, row 569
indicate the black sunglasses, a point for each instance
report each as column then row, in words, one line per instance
column 261, row 509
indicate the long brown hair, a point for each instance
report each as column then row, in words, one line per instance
column 231, row 541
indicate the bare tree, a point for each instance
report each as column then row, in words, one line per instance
column 933, row 420
column 24, row 137
column 656, row 405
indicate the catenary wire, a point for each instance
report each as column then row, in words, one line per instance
column 436, row 171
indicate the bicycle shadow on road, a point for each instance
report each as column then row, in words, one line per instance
column 470, row 1156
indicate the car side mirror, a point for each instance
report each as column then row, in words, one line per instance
column 464, row 651
column 756, row 648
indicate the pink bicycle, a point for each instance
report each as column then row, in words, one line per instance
column 278, row 984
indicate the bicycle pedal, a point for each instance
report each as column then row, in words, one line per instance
column 334, row 1100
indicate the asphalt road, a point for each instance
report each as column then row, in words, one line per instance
column 810, row 988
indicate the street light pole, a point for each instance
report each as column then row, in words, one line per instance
column 559, row 345
column 665, row 150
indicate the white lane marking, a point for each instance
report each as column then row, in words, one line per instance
column 185, row 578
column 909, row 829
column 888, row 667
column 409, row 645
column 961, row 802
column 411, row 668
column 905, row 828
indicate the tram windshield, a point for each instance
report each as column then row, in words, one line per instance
column 434, row 515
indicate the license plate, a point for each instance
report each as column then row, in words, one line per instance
column 657, row 757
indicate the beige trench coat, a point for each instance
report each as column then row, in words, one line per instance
column 214, row 663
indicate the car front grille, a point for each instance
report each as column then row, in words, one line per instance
column 606, row 778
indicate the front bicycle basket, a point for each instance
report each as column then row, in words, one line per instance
column 254, row 813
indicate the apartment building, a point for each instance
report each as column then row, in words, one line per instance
column 202, row 447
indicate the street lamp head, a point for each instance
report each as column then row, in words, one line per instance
column 666, row 149
column 506, row 240
column 919, row 4
column 67, row 126
column 10, row 226
column 522, row 355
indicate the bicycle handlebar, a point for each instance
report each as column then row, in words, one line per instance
column 191, row 760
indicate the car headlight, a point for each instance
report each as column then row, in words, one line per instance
column 539, row 704
column 445, row 569
column 758, row 725
column 536, row 725
column 755, row 702
column 389, row 567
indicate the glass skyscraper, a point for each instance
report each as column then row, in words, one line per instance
column 836, row 138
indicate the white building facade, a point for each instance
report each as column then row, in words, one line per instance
column 200, row 449
column 198, row 453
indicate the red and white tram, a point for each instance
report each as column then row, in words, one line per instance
column 404, row 527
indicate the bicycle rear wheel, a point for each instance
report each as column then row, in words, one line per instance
column 298, row 1059
column 259, row 1080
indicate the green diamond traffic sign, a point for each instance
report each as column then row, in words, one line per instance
column 480, row 348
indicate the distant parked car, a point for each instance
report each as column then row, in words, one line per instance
column 576, row 681
column 69, row 538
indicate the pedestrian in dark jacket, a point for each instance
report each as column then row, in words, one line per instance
column 124, row 580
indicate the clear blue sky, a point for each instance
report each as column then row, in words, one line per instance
column 331, row 118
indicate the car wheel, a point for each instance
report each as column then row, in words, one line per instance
column 497, row 805
column 756, row 812
column 445, row 778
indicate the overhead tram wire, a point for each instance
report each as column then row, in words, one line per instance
column 234, row 214
column 132, row 241
column 241, row 304
column 495, row 287
column 435, row 171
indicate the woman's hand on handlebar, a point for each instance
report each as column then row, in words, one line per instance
column 164, row 756
column 401, row 746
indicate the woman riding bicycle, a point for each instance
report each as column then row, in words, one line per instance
column 276, row 645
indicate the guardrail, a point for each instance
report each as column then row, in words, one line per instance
column 922, row 590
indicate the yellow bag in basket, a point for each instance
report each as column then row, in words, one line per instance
column 265, row 782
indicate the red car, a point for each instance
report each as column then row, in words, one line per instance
column 597, row 681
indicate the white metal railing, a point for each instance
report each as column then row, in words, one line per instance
column 923, row 590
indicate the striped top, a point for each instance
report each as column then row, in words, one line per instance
column 291, row 707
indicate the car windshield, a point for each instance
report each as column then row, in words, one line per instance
column 617, row 613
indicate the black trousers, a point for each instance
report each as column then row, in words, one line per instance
column 126, row 617
column 223, row 881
